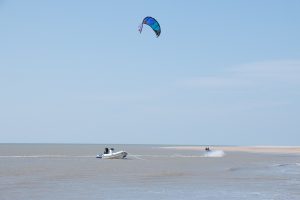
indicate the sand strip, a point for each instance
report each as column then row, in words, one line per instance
column 250, row 149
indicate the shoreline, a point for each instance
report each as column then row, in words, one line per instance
column 248, row 149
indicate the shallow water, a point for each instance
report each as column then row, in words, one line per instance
column 49, row 171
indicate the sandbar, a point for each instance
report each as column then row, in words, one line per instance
column 249, row 149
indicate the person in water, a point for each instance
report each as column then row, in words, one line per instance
column 207, row 149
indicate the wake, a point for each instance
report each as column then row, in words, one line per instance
column 46, row 156
column 213, row 154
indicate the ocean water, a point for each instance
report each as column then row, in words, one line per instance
column 71, row 171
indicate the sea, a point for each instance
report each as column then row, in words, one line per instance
column 72, row 171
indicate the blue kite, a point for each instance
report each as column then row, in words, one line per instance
column 150, row 21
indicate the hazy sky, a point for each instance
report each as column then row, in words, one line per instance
column 222, row 72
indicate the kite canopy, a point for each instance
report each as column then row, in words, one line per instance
column 150, row 21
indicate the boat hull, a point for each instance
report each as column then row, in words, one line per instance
column 116, row 155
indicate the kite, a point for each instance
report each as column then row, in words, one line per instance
column 150, row 21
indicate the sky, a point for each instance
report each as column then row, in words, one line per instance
column 221, row 73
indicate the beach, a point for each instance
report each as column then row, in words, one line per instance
column 71, row 171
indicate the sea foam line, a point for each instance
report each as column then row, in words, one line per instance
column 44, row 156
column 212, row 154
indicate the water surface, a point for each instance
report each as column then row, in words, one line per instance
column 60, row 171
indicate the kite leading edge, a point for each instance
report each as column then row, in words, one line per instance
column 153, row 23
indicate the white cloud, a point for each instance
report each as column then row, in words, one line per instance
column 213, row 82
column 274, row 70
column 272, row 73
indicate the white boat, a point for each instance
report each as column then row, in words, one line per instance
column 110, row 154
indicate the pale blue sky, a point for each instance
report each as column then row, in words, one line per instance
column 222, row 72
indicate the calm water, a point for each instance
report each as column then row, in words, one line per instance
column 48, row 171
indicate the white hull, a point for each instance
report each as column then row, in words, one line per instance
column 116, row 155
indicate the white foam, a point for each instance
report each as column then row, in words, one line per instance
column 215, row 153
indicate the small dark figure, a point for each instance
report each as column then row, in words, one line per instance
column 106, row 151
column 207, row 149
